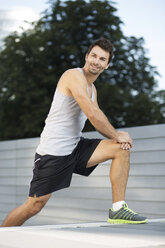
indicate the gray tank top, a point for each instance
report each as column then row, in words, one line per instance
column 63, row 125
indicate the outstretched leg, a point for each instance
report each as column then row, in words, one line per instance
column 19, row 215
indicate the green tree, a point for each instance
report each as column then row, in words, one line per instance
column 32, row 62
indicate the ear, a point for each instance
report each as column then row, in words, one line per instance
column 86, row 56
column 107, row 66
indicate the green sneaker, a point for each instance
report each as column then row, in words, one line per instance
column 125, row 216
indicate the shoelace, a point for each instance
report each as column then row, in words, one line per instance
column 125, row 206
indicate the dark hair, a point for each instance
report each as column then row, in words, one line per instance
column 105, row 45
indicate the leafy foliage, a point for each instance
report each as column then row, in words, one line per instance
column 32, row 62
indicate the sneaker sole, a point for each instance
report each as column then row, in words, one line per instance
column 119, row 221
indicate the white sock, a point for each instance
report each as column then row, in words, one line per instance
column 117, row 205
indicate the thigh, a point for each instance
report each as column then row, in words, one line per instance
column 106, row 149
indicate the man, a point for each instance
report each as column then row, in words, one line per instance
column 62, row 151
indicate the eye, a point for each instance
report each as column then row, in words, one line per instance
column 103, row 59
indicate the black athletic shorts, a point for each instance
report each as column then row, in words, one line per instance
column 52, row 173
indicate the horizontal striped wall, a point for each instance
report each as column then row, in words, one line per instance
column 88, row 199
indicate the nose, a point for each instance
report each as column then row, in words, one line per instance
column 96, row 61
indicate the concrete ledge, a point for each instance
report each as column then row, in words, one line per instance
column 88, row 235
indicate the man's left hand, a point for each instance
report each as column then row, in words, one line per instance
column 125, row 146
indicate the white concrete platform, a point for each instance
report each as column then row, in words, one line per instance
column 85, row 235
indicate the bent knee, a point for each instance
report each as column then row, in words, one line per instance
column 35, row 205
column 119, row 152
column 34, row 209
column 123, row 153
column 112, row 149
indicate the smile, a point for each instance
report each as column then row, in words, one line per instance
column 95, row 67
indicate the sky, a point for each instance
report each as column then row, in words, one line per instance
column 142, row 18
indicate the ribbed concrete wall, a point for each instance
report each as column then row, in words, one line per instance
column 88, row 199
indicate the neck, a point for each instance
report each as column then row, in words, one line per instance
column 89, row 76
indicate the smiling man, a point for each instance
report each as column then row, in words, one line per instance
column 62, row 150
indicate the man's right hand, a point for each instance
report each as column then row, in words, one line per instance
column 125, row 139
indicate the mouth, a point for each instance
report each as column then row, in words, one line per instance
column 95, row 67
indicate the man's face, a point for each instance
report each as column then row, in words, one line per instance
column 97, row 60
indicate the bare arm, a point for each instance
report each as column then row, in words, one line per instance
column 77, row 86
column 96, row 103
column 122, row 137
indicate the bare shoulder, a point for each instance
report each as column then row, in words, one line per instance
column 72, row 78
column 74, row 74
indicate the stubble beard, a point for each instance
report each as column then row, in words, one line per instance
column 93, row 72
